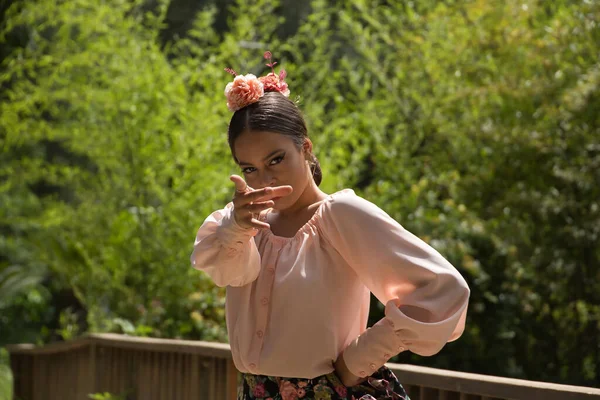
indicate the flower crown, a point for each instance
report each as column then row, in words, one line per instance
column 248, row 89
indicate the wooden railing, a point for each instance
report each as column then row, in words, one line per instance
column 163, row 369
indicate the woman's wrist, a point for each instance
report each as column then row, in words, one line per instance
column 344, row 373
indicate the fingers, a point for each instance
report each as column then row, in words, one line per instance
column 260, row 195
column 248, row 215
column 267, row 193
column 251, row 222
column 248, row 202
column 258, row 207
column 240, row 185
column 259, row 224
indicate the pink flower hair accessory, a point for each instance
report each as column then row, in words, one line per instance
column 272, row 81
column 248, row 89
column 243, row 91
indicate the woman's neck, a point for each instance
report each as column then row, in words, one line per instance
column 311, row 195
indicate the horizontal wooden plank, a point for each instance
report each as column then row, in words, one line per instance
column 50, row 348
column 209, row 349
column 490, row 386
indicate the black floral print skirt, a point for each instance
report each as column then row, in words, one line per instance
column 382, row 385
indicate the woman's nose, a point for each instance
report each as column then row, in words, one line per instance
column 266, row 179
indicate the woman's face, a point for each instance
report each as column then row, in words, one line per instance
column 272, row 159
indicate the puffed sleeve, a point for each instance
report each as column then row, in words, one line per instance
column 226, row 251
column 425, row 297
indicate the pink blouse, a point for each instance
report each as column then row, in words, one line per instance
column 294, row 304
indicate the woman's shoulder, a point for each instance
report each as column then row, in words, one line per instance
column 347, row 204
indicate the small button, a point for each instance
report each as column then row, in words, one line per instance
column 386, row 356
column 264, row 301
column 362, row 374
column 259, row 334
column 252, row 365
column 373, row 366
column 401, row 348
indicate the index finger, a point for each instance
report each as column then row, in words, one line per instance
column 268, row 193
column 240, row 184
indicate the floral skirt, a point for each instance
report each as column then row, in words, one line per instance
column 382, row 385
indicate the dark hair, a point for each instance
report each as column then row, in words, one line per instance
column 273, row 113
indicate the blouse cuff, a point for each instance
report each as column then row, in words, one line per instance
column 373, row 348
column 232, row 235
column 421, row 336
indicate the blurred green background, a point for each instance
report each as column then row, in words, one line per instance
column 475, row 124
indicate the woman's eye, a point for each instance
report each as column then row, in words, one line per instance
column 248, row 170
column 276, row 160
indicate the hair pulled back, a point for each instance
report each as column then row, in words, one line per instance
column 273, row 113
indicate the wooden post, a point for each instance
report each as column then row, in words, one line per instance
column 92, row 369
column 232, row 380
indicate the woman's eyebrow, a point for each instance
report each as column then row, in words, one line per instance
column 271, row 154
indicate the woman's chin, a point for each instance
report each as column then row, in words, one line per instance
column 278, row 203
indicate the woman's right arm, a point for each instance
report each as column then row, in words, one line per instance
column 226, row 251
column 224, row 246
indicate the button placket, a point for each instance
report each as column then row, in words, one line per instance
column 264, row 288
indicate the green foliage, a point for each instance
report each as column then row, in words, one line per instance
column 102, row 134
column 105, row 396
column 5, row 377
column 474, row 124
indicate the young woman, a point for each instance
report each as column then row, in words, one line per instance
column 299, row 266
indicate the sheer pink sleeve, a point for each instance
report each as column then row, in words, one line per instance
column 425, row 297
column 226, row 251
